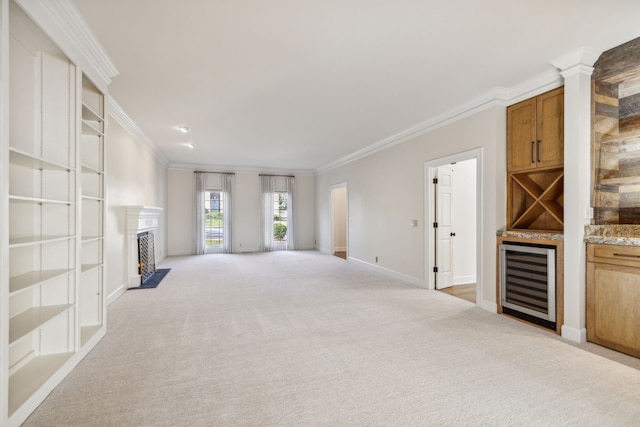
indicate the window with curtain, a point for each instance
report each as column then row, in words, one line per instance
column 213, row 212
column 277, row 213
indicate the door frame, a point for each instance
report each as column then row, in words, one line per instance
column 430, row 169
column 344, row 185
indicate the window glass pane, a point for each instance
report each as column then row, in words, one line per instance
column 214, row 217
column 280, row 217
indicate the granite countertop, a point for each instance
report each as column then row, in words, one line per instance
column 615, row 234
column 533, row 235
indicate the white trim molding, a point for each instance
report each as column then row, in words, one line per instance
column 240, row 169
column 61, row 20
column 391, row 273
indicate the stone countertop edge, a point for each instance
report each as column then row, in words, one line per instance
column 533, row 235
column 614, row 234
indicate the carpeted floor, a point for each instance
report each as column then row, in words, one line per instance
column 305, row 339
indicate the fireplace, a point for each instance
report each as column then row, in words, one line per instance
column 141, row 221
column 146, row 255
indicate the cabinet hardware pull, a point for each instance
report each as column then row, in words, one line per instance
column 533, row 147
column 626, row 255
column 538, row 153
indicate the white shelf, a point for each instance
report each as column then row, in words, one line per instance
column 89, row 169
column 89, row 239
column 36, row 240
column 23, row 199
column 88, row 128
column 24, row 159
column 34, row 278
column 89, row 267
column 87, row 332
column 32, row 319
column 91, row 198
column 89, row 115
column 26, row 381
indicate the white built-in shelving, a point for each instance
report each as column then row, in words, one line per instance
column 52, row 302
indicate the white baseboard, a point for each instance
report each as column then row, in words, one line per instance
column 340, row 249
column 464, row 280
column 391, row 273
column 116, row 294
column 488, row 306
column 180, row 253
column 573, row 334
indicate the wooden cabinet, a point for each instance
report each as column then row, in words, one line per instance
column 613, row 297
column 52, row 214
column 535, row 158
column 535, row 132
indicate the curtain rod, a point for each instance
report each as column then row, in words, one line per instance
column 286, row 176
column 224, row 173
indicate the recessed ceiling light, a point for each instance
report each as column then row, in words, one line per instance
column 184, row 129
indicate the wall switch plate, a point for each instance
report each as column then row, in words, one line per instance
column 414, row 222
column 588, row 212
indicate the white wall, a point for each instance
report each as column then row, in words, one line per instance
column 246, row 212
column 386, row 191
column 464, row 222
column 134, row 176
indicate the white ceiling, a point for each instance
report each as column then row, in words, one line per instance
column 300, row 84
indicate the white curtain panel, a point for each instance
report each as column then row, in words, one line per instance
column 266, row 229
column 199, row 238
column 291, row 219
column 227, row 189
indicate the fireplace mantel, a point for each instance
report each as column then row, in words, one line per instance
column 139, row 219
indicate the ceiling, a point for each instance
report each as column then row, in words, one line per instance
column 300, row 84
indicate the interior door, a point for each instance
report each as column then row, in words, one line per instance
column 444, row 232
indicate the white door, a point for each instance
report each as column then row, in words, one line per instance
column 443, row 232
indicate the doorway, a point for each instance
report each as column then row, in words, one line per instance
column 339, row 221
column 453, row 200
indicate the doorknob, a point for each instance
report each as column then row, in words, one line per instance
column 453, row 234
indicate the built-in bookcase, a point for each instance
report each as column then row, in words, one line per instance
column 52, row 294
column 92, row 298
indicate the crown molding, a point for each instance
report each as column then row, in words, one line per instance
column 498, row 96
column 120, row 116
column 585, row 56
column 62, row 22
column 241, row 169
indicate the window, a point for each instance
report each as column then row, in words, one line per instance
column 214, row 220
column 280, row 219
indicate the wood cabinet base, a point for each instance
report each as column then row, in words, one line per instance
column 613, row 297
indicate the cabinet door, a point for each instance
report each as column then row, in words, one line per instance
column 613, row 298
column 521, row 135
column 550, row 129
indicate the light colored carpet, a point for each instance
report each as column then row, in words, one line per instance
column 305, row 339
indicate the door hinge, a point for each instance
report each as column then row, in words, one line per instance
column 435, row 269
column 435, row 225
column 435, row 180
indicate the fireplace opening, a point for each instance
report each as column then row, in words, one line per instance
column 146, row 256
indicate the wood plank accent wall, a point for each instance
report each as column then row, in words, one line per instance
column 616, row 111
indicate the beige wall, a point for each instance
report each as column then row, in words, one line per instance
column 134, row 177
column 386, row 191
column 246, row 212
